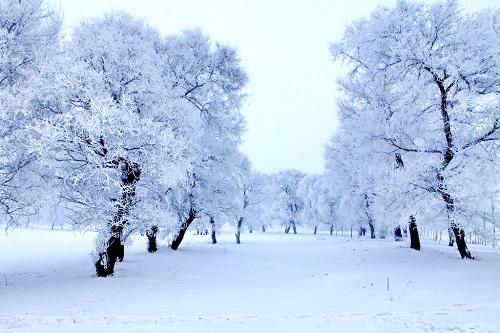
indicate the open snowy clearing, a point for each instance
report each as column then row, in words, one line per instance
column 271, row 282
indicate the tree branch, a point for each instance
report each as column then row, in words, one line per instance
column 486, row 136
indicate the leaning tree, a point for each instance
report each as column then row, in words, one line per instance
column 106, row 130
column 207, row 80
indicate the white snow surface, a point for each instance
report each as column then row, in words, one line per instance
column 272, row 282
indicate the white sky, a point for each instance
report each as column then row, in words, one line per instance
column 283, row 45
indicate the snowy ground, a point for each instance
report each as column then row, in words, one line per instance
column 270, row 283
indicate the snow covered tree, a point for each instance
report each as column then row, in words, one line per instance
column 424, row 78
column 325, row 203
column 288, row 203
column 257, row 195
column 107, row 131
column 249, row 194
column 318, row 202
column 29, row 34
column 207, row 81
column 346, row 171
column 257, row 192
column 305, row 192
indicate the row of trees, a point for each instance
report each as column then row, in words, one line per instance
column 125, row 129
column 419, row 137
column 121, row 130
column 418, row 142
column 420, row 120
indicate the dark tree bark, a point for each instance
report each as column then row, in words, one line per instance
column 372, row 230
column 398, row 235
column 415, row 241
column 114, row 251
column 238, row 230
column 414, row 238
column 182, row 230
column 121, row 252
column 212, row 224
column 331, row 229
column 450, row 208
column 457, row 231
column 263, row 228
column 399, row 161
column 101, row 265
column 105, row 266
column 151, row 234
column 369, row 216
column 447, row 158
column 315, row 229
column 461, row 245
column 131, row 173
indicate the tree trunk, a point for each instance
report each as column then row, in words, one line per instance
column 105, row 266
column 182, row 230
column 414, row 238
column 372, row 230
column 369, row 216
column 331, row 229
column 315, row 229
column 450, row 208
column 461, row 245
column 263, row 229
column 398, row 235
column 212, row 223
column 151, row 234
column 121, row 252
column 101, row 265
column 447, row 158
column 238, row 230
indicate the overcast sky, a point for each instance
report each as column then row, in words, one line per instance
column 283, row 45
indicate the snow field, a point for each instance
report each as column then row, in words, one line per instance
column 271, row 282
